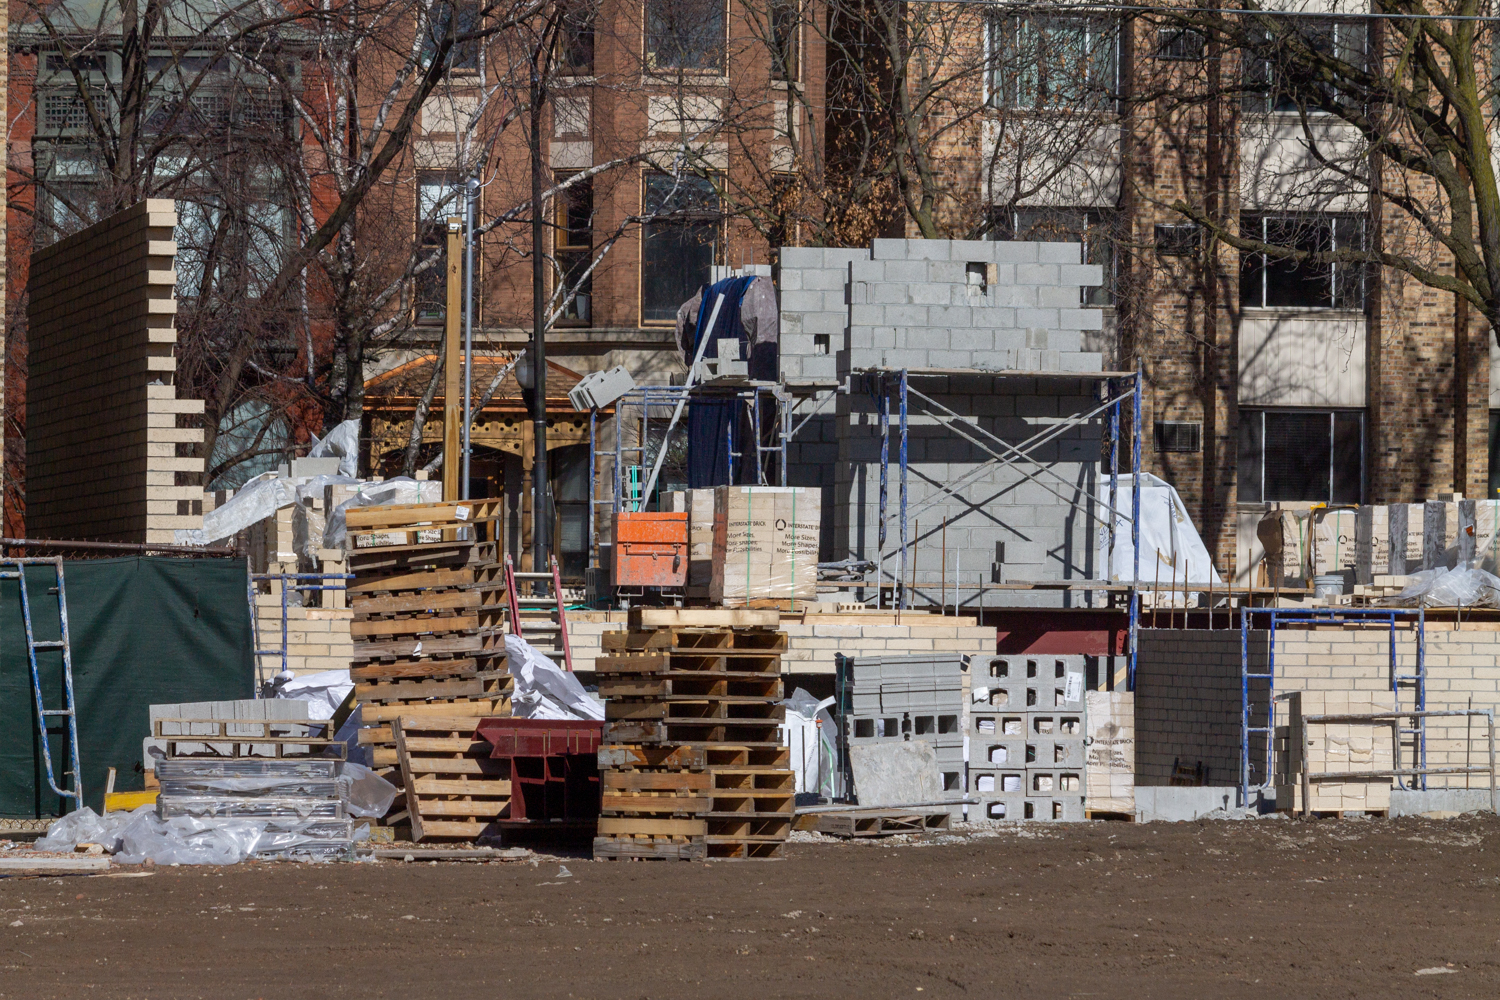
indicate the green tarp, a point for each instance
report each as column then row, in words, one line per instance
column 143, row 631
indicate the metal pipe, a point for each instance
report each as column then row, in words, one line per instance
column 1135, row 522
column 471, row 188
column 82, row 546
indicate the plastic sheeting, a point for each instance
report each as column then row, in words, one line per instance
column 812, row 744
column 139, row 835
column 256, row 501
column 1449, row 588
column 324, row 692
column 369, row 795
column 342, row 443
column 400, row 490
column 544, row 690
column 1170, row 546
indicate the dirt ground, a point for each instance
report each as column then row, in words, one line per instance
column 1267, row 909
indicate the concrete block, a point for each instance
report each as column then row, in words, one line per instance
column 1038, row 274
column 1086, row 275
column 1009, row 252
column 800, row 257
column 888, row 249
column 928, row 249
column 1059, row 253
column 1081, row 319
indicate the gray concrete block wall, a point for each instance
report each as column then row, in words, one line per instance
column 1188, row 702
column 936, row 304
column 949, row 304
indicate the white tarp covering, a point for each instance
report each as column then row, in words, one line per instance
column 324, row 692
column 341, row 443
column 543, row 689
column 1170, row 547
column 256, row 500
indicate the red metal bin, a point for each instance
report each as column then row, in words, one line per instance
column 651, row 549
column 554, row 768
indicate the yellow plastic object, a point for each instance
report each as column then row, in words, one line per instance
column 126, row 801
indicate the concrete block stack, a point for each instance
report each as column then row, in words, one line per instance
column 903, row 698
column 1026, row 738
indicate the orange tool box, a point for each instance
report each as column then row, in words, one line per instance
column 651, row 549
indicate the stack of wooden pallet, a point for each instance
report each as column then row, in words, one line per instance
column 693, row 763
column 428, row 621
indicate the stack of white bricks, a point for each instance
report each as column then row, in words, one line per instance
column 108, row 452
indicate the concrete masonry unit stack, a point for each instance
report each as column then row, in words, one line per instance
column 1026, row 738
column 108, row 446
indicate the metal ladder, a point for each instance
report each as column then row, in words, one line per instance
column 539, row 617
column 1415, row 736
column 1249, row 709
column 15, row 569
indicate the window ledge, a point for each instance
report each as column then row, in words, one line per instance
column 1300, row 312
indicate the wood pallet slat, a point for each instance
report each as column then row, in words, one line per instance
column 427, row 747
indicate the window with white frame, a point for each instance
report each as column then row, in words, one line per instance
column 1269, row 281
column 1277, row 77
column 1301, row 456
column 1056, row 62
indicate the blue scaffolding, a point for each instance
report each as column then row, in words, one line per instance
column 1252, row 706
column 1116, row 389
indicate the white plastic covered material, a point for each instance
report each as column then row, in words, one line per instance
column 400, row 490
column 342, row 443
column 324, row 692
column 544, row 690
column 808, row 732
column 1170, row 546
column 257, row 500
column 1449, row 588
column 370, row 795
column 139, row 835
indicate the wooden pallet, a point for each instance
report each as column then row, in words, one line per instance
column 454, row 788
column 652, row 848
column 699, row 641
column 670, row 731
column 876, row 823
column 405, row 560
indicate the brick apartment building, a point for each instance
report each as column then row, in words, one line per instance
column 1265, row 383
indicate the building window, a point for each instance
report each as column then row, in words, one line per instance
column 786, row 19
column 575, row 243
column 1096, row 229
column 1269, row 282
column 1301, row 456
column 437, row 198
column 678, row 242
column 1179, row 44
column 1053, row 61
column 1179, row 436
column 463, row 17
column 1178, row 239
column 685, row 35
column 1272, row 85
column 575, row 45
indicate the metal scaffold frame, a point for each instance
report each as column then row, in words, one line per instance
column 1115, row 390
column 768, row 406
column 1413, row 618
